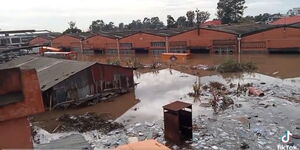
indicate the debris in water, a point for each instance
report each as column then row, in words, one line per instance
column 256, row 92
column 87, row 122
column 244, row 145
column 217, row 85
column 233, row 66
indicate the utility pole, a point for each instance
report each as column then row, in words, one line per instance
column 197, row 20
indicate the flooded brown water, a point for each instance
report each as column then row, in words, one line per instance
column 157, row 88
column 280, row 66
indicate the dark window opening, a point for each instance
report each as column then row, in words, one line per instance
column 141, row 51
column 199, row 50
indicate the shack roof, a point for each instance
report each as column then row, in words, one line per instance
column 177, row 105
column 50, row 71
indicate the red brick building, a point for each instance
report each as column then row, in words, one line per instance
column 68, row 42
column 142, row 42
column 203, row 40
column 210, row 39
column 39, row 40
column 20, row 96
column 100, row 43
column 274, row 39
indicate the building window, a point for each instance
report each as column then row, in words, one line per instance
column 76, row 49
column 26, row 39
column 178, row 50
column 158, row 51
column 4, row 42
column 126, row 45
column 15, row 40
column 254, row 44
column 126, row 52
column 111, row 51
column 158, row 44
column 178, row 44
column 224, row 50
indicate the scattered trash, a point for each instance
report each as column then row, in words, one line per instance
column 217, row 85
column 222, row 131
column 256, row 92
column 219, row 103
column 196, row 90
column 244, row 145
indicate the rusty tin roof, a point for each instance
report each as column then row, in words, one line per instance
column 177, row 105
column 50, row 71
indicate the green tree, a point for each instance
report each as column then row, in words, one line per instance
column 202, row 16
column 181, row 22
column 248, row 19
column 171, row 23
column 146, row 23
column 262, row 17
column 108, row 27
column 97, row 26
column 121, row 26
column 72, row 28
column 190, row 17
column 156, row 23
column 230, row 11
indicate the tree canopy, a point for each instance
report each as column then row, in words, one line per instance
column 72, row 28
column 230, row 11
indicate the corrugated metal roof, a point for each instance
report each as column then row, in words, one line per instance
column 50, row 71
column 177, row 105
column 75, row 141
column 243, row 29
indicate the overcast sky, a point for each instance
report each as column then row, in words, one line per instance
column 55, row 14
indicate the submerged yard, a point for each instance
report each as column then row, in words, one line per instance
column 251, row 122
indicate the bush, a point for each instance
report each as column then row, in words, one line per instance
column 231, row 65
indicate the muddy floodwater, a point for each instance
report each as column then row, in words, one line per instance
column 251, row 122
column 276, row 65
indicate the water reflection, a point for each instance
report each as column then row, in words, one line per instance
column 158, row 89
